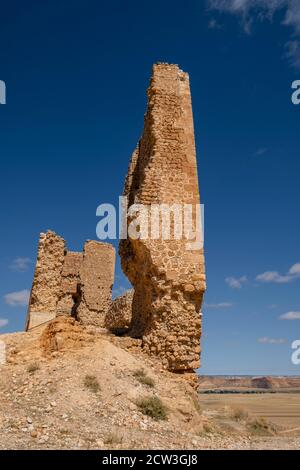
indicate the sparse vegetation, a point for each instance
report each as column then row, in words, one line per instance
column 143, row 378
column 261, row 427
column 113, row 438
column 91, row 382
column 64, row 431
column 33, row 367
column 153, row 407
column 238, row 414
column 206, row 428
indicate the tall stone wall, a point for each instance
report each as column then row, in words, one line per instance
column 47, row 279
column 96, row 281
column 70, row 283
column 168, row 279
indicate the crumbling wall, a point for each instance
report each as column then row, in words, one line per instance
column 70, row 279
column 119, row 315
column 168, row 279
column 71, row 284
column 47, row 279
column 96, row 281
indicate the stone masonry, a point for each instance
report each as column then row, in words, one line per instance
column 96, row 280
column 47, row 279
column 119, row 315
column 70, row 283
column 168, row 279
column 70, row 280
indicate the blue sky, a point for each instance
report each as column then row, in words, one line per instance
column 76, row 74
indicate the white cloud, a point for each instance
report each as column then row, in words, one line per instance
column 20, row 264
column 17, row 299
column 290, row 316
column 276, row 277
column 268, row 7
column 250, row 11
column 213, row 24
column 273, row 276
column 236, row 283
column 266, row 340
column 3, row 322
column 295, row 269
column 292, row 17
column 219, row 305
column 261, row 151
column 292, row 53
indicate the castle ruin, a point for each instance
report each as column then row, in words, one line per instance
column 70, row 283
column 163, row 311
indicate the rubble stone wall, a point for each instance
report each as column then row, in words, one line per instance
column 70, row 283
column 70, row 279
column 119, row 314
column 96, row 281
column 47, row 278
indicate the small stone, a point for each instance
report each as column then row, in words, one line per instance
column 99, row 443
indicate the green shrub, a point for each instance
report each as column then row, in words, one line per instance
column 91, row 382
column 261, row 427
column 143, row 378
column 113, row 438
column 153, row 407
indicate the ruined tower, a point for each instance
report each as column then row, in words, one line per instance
column 71, row 283
column 47, row 279
column 168, row 278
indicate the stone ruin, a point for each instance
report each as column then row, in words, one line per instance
column 168, row 279
column 70, row 283
column 163, row 311
column 119, row 315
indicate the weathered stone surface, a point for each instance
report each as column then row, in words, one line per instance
column 70, row 279
column 47, row 279
column 168, row 279
column 119, row 314
column 63, row 333
column 96, row 281
column 70, row 283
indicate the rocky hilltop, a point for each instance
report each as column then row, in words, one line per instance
column 65, row 386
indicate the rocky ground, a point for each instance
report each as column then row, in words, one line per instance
column 64, row 387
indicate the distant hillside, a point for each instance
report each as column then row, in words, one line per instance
column 241, row 382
